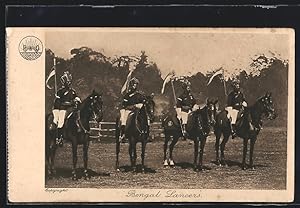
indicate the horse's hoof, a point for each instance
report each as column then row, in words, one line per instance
column 197, row 169
column 166, row 164
column 218, row 163
column 53, row 172
column 244, row 168
column 74, row 176
column 223, row 163
column 86, row 175
column 253, row 168
column 172, row 164
column 50, row 176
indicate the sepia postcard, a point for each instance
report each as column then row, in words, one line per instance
column 150, row 114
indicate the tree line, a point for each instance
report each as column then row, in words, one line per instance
column 94, row 70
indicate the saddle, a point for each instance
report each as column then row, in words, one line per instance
column 130, row 117
column 239, row 120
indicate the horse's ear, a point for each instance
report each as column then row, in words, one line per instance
column 207, row 100
column 267, row 94
column 216, row 101
column 270, row 94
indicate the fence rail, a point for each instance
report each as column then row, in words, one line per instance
column 107, row 130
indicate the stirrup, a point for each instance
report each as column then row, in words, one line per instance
column 233, row 134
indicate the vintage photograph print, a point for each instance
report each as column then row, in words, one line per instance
column 152, row 114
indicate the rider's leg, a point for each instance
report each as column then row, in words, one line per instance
column 229, row 116
column 124, row 115
column 55, row 116
column 234, row 114
column 61, row 119
column 55, row 121
column 184, row 116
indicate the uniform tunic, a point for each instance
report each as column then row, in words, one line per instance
column 66, row 97
column 235, row 99
column 186, row 102
column 132, row 98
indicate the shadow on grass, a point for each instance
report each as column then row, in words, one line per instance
column 186, row 165
column 128, row 168
column 231, row 163
column 67, row 173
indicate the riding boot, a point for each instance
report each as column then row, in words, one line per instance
column 122, row 134
column 59, row 139
column 77, row 121
column 233, row 130
column 184, row 131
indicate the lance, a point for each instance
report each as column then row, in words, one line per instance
column 55, row 82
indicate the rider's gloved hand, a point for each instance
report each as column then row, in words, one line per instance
column 244, row 104
column 139, row 105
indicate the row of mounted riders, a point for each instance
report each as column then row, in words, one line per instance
column 70, row 121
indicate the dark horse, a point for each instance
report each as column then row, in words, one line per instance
column 248, row 127
column 90, row 109
column 199, row 126
column 137, row 130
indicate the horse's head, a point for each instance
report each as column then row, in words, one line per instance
column 149, row 105
column 96, row 103
column 268, row 106
column 205, row 118
column 211, row 106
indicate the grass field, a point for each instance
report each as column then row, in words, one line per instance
column 269, row 158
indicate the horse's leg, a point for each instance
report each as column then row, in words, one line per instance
column 172, row 145
column 202, row 145
column 131, row 153
column 196, row 153
column 74, row 151
column 52, row 158
column 48, row 161
column 167, row 138
column 117, row 153
column 252, row 143
column 85, row 159
column 217, row 147
column 134, row 156
column 117, row 144
column 244, row 153
column 144, row 142
column 223, row 144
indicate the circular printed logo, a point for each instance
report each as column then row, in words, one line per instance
column 31, row 48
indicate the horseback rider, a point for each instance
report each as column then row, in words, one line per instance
column 186, row 103
column 65, row 99
column 235, row 103
column 133, row 99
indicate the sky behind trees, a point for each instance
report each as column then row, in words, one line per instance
column 184, row 51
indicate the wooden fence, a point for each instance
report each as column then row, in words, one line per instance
column 107, row 130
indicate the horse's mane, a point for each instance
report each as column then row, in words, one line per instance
column 85, row 102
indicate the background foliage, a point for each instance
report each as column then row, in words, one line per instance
column 94, row 70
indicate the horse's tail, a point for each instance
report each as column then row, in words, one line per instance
column 117, row 127
column 47, row 121
column 221, row 122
